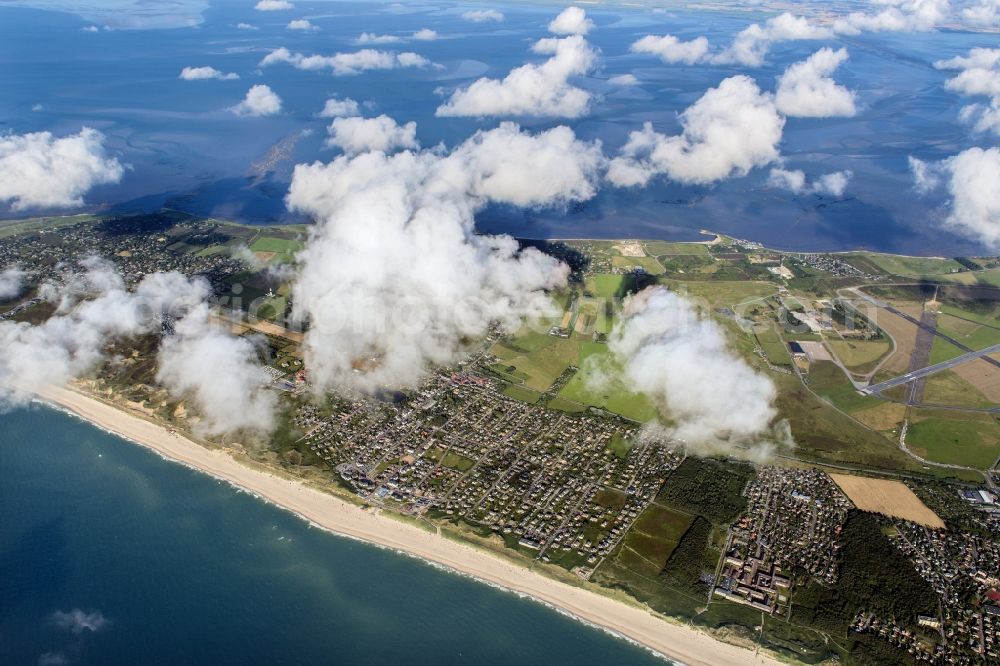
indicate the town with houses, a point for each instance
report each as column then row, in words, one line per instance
column 573, row 489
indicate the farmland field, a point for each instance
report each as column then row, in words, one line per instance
column 887, row 497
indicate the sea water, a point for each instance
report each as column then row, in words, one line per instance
column 110, row 554
column 187, row 150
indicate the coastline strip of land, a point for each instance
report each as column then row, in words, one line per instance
column 677, row 642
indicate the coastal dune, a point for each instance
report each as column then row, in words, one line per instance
column 675, row 641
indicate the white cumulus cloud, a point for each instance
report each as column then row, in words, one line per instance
column 78, row 621
column 681, row 360
column 273, row 5
column 346, row 63
column 11, row 282
column 358, row 135
column 972, row 180
column 897, row 16
column 219, row 373
column 805, row 90
column 979, row 77
column 532, row 89
column 260, row 101
column 203, row 73
column 624, row 80
column 752, row 44
column 425, row 35
column 482, row 15
column 339, row 108
column 749, row 47
column 795, row 181
column 301, row 24
column 372, row 38
column 94, row 309
column 571, row 21
column 39, row 170
column 985, row 13
column 396, row 234
column 672, row 50
column 730, row 130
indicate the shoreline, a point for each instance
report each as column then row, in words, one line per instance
column 672, row 640
column 9, row 222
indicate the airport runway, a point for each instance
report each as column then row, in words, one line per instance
column 931, row 369
column 919, row 324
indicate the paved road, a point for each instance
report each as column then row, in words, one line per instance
column 930, row 370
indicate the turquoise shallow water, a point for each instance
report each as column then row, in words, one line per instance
column 111, row 555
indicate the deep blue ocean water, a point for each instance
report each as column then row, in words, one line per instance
column 188, row 152
column 169, row 566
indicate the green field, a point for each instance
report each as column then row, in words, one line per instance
column 212, row 250
column 564, row 405
column 825, row 435
column 942, row 350
column 653, row 537
column 285, row 248
column 648, row 264
column 273, row 309
column 970, row 440
column 535, row 359
column 522, row 394
column 635, row 564
column 913, row 267
column 947, row 388
column 620, row 446
column 828, row 380
column 595, row 385
column 457, row 461
column 773, row 346
column 989, row 314
column 724, row 293
column 692, row 557
column 595, row 314
column 989, row 278
column 660, row 248
column 979, row 334
column 860, row 355
column 607, row 285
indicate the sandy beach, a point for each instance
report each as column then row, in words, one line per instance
column 681, row 643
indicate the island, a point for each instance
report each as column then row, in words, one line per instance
column 868, row 536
